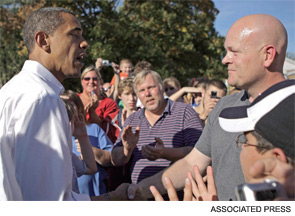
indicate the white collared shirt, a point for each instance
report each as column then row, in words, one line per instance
column 35, row 138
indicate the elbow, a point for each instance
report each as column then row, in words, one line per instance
column 116, row 157
column 93, row 170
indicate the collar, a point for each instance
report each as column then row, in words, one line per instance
column 40, row 71
column 167, row 110
column 244, row 96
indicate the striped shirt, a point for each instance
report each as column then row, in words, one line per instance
column 178, row 126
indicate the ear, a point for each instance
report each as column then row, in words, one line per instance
column 270, row 54
column 42, row 41
column 279, row 154
column 119, row 96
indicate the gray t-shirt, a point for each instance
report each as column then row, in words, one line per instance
column 220, row 146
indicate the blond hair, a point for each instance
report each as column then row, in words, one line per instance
column 125, row 61
column 125, row 84
column 88, row 69
column 140, row 77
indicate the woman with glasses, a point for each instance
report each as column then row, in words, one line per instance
column 99, row 108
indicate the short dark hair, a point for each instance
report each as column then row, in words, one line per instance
column 70, row 109
column 73, row 97
column 44, row 19
column 217, row 83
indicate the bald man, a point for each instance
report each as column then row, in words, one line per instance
column 256, row 48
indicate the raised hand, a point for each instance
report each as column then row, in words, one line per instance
column 98, row 64
column 200, row 190
column 129, row 139
column 172, row 194
column 79, row 126
column 116, row 68
column 275, row 169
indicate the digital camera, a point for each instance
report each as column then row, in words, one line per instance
column 106, row 63
column 267, row 190
column 214, row 94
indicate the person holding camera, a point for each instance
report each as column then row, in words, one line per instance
column 214, row 90
column 256, row 49
column 99, row 109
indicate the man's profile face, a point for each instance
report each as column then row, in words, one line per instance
column 67, row 48
column 250, row 154
column 243, row 58
column 150, row 94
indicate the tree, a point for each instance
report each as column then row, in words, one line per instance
column 177, row 37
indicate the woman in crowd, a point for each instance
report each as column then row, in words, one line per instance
column 100, row 109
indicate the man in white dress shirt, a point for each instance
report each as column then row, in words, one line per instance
column 35, row 135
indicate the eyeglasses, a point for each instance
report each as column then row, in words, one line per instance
column 241, row 143
column 106, row 89
column 170, row 88
column 89, row 78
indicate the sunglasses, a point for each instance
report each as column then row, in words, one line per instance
column 170, row 88
column 106, row 89
column 88, row 78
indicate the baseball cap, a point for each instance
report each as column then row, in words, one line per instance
column 271, row 115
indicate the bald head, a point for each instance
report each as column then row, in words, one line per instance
column 256, row 49
column 259, row 30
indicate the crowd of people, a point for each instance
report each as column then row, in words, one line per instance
column 138, row 137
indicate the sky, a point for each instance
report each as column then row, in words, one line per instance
column 232, row 10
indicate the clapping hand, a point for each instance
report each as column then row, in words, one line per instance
column 153, row 153
column 129, row 139
column 79, row 126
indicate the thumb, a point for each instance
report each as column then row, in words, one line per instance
column 137, row 131
column 159, row 141
column 131, row 191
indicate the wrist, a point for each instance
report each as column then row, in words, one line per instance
column 127, row 152
column 82, row 136
column 113, row 196
column 203, row 116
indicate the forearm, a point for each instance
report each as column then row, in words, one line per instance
column 111, row 196
column 120, row 156
column 174, row 154
column 176, row 172
column 203, row 116
column 95, row 118
column 102, row 157
column 177, row 95
column 116, row 86
column 87, row 154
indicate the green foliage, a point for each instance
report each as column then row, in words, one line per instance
column 177, row 37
